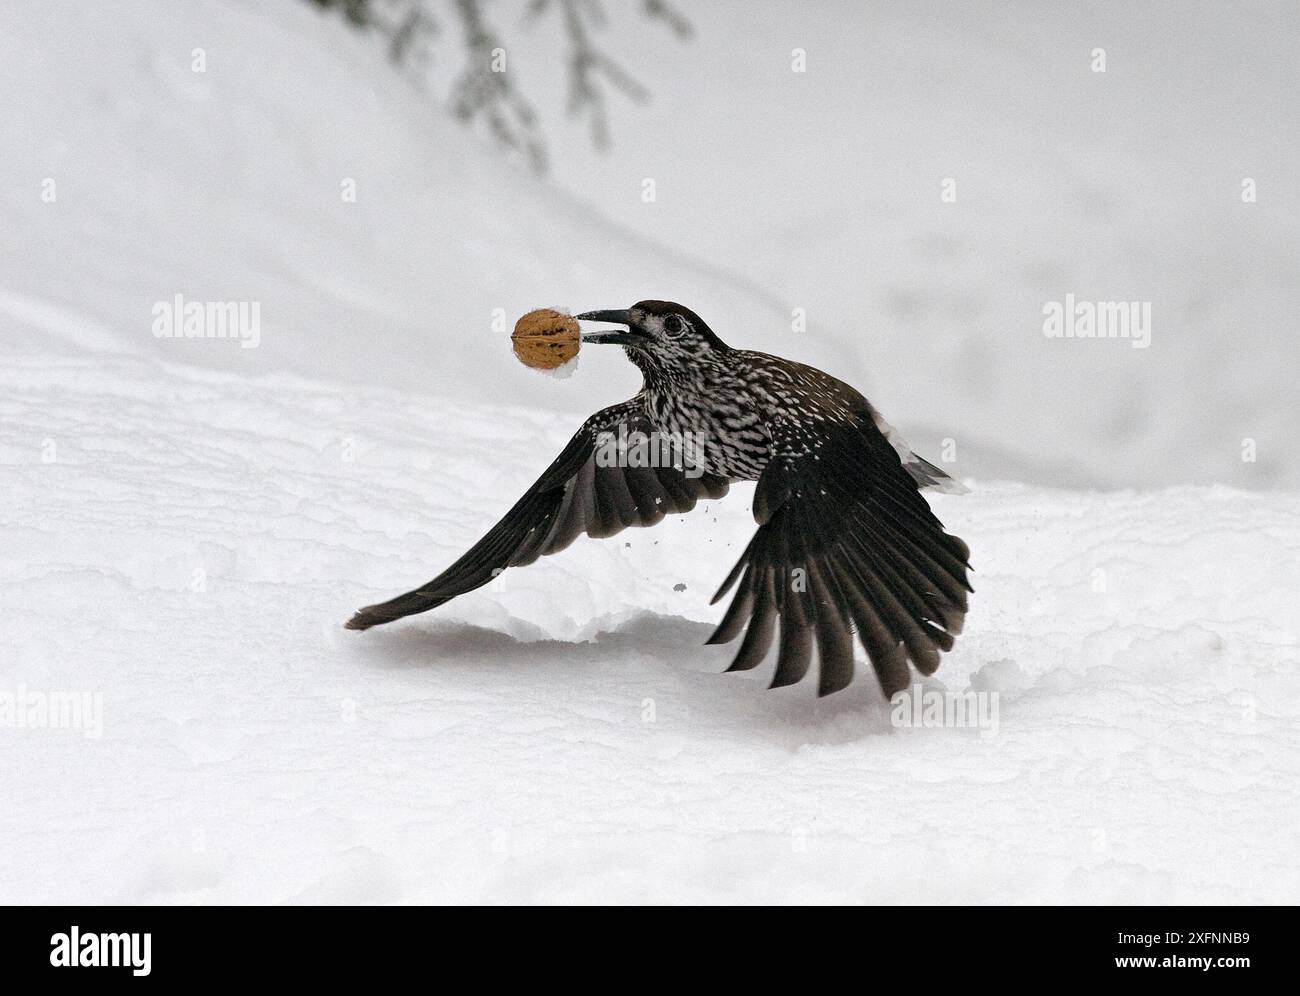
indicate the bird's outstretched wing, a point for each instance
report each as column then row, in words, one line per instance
column 577, row 494
column 845, row 542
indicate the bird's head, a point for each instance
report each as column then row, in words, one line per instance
column 662, row 338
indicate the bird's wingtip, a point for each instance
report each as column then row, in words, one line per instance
column 361, row 619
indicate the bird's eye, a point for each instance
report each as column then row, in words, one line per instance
column 674, row 325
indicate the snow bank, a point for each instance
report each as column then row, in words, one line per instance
column 1124, row 185
column 382, row 242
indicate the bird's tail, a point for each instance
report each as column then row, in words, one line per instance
column 928, row 477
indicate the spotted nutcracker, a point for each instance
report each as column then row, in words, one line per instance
column 845, row 540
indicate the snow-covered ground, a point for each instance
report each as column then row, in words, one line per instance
column 187, row 524
column 192, row 551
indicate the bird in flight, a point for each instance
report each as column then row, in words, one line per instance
column 845, row 542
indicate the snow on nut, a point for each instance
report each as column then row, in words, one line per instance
column 545, row 339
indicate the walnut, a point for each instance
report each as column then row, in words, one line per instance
column 545, row 339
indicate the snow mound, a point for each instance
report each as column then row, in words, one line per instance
column 382, row 243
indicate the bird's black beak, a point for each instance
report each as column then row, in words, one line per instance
column 618, row 317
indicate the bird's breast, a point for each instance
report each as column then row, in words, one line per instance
column 725, row 428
